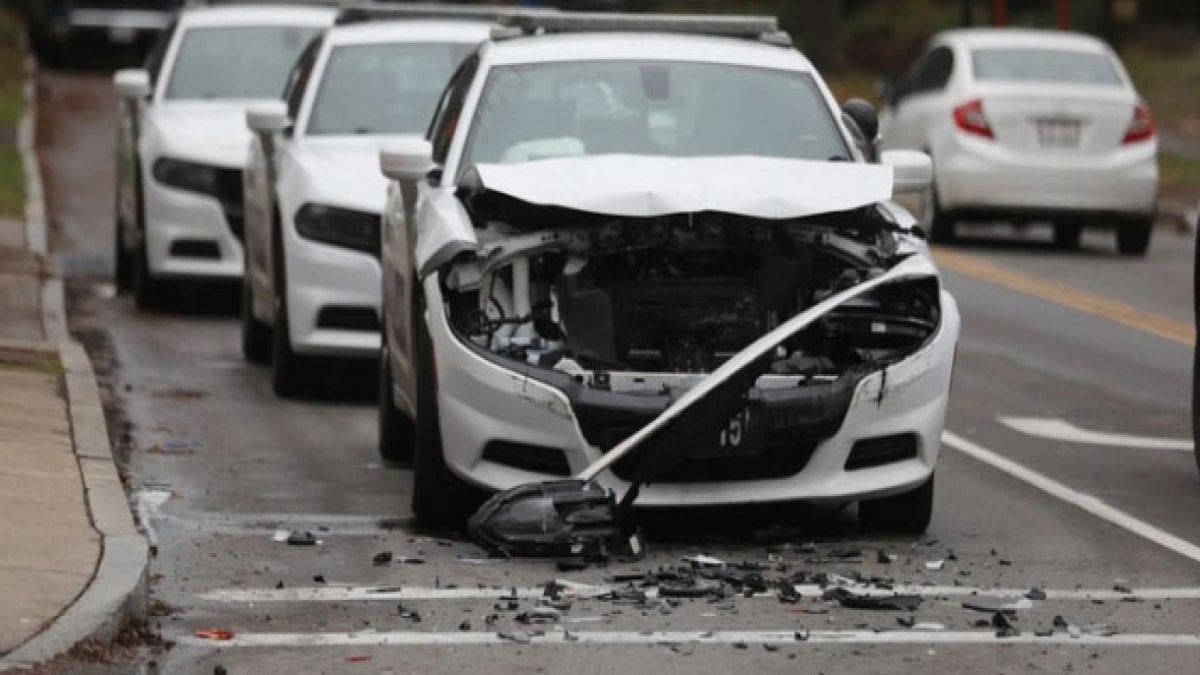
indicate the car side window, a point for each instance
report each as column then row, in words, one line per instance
column 297, row 81
column 445, row 120
column 931, row 72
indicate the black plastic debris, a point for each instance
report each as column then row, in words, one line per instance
column 298, row 538
column 802, row 635
column 851, row 600
column 990, row 609
column 220, row 670
column 907, row 621
column 1060, row 622
column 382, row 558
column 787, row 592
column 561, row 519
column 883, row 557
column 1004, row 627
column 740, row 645
column 571, row 564
column 1122, row 588
column 1036, row 594
column 318, row 578
column 465, row 626
column 771, row 647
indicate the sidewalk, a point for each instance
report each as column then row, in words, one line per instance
column 73, row 566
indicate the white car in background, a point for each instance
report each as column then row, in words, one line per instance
column 1029, row 125
column 182, row 140
column 598, row 220
column 314, row 193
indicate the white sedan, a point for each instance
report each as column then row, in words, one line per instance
column 314, row 192
column 182, row 140
column 1029, row 125
column 598, row 220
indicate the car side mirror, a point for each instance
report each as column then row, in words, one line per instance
column 864, row 123
column 132, row 83
column 912, row 171
column 268, row 118
column 406, row 159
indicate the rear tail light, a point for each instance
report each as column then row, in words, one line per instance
column 969, row 117
column 1142, row 127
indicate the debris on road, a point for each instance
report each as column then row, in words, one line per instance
column 1010, row 608
column 935, row 565
column 1035, row 593
column 301, row 538
column 221, row 634
column 382, row 558
column 1003, row 626
column 358, row 658
column 851, row 600
column 558, row 519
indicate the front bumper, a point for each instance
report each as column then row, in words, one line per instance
column 189, row 234
column 333, row 299
column 482, row 402
column 978, row 175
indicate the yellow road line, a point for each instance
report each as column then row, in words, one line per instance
column 1097, row 305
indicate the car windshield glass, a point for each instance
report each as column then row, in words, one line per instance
column 235, row 62
column 677, row 109
column 1044, row 65
column 383, row 88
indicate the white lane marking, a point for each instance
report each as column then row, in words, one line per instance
column 413, row 638
column 1087, row 502
column 392, row 593
column 1062, row 430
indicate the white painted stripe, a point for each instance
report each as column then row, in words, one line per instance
column 360, row 593
column 1087, row 502
column 1062, row 430
column 413, row 638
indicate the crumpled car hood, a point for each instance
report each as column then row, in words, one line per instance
column 642, row 186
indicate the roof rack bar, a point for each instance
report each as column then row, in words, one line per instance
column 758, row 27
column 358, row 12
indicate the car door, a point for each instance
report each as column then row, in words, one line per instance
column 919, row 100
column 399, row 274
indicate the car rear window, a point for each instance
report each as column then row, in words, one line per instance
column 383, row 88
column 1044, row 65
column 236, row 62
column 677, row 109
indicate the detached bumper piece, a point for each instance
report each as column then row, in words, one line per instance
column 567, row 518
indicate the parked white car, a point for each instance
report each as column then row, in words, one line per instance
column 182, row 141
column 1029, row 125
column 314, row 193
column 598, row 220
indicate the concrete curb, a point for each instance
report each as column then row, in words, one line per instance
column 118, row 592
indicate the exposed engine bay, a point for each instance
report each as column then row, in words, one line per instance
column 605, row 296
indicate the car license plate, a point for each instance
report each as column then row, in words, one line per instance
column 1058, row 133
column 742, row 436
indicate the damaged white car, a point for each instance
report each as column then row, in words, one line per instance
column 603, row 227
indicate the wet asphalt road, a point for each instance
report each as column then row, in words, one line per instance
column 217, row 464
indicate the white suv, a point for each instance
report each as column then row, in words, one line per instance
column 314, row 192
column 182, row 140
column 598, row 220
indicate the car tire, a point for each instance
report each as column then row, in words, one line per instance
column 148, row 292
column 122, row 259
column 396, row 431
column 440, row 498
column 1133, row 239
column 256, row 335
column 1067, row 234
column 292, row 375
column 1196, row 352
column 906, row 513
